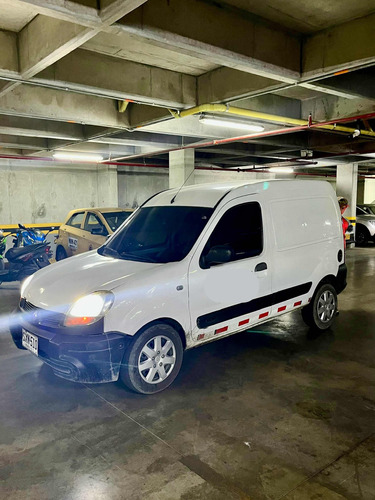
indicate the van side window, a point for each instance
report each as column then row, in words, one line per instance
column 240, row 230
column 76, row 220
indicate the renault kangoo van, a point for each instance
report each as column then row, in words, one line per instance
column 188, row 267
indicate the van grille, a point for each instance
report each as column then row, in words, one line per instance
column 41, row 317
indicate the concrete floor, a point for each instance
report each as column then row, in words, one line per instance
column 271, row 415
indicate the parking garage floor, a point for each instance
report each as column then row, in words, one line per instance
column 267, row 414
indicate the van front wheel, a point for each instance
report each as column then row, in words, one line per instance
column 152, row 360
column 321, row 311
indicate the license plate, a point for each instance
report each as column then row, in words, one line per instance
column 30, row 342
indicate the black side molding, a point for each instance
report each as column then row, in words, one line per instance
column 253, row 305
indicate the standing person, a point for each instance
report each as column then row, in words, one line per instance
column 343, row 202
column 3, row 245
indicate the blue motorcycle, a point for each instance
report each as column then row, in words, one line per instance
column 29, row 236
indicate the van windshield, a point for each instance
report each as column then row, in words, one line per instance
column 158, row 234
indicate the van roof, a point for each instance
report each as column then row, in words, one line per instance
column 208, row 195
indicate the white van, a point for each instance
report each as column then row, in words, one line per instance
column 188, row 267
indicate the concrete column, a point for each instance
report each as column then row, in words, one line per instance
column 346, row 185
column 107, row 186
column 181, row 168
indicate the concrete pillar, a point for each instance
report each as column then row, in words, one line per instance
column 181, row 168
column 346, row 185
column 107, row 186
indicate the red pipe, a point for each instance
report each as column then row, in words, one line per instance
column 217, row 142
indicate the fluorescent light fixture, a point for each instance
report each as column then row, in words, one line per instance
column 217, row 122
column 78, row 157
column 370, row 155
column 281, row 170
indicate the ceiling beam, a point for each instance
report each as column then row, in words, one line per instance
column 206, row 31
column 344, row 47
column 65, row 10
column 45, row 40
column 8, row 54
column 355, row 84
column 28, row 127
column 226, row 84
column 117, row 78
column 16, row 142
column 333, row 107
column 58, row 105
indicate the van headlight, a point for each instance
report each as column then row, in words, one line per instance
column 89, row 309
column 25, row 282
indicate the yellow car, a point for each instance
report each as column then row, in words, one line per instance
column 87, row 228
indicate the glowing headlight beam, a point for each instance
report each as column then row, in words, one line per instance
column 89, row 308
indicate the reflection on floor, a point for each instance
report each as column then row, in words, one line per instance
column 275, row 413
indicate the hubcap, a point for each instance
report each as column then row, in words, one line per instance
column 326, row 306
column 157, row 359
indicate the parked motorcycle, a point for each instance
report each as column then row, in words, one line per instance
column 24, row 261
column 29, row 236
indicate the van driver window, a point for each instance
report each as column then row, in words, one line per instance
column 240, row 230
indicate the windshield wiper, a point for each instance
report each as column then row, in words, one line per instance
column 132, row 256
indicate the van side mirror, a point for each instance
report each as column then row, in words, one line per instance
column 218, row 255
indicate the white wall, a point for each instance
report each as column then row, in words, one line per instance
column 34, row 192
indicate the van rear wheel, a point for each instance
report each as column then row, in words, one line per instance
column 152, row 360
column 321, row 311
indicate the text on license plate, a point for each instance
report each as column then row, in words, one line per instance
column 30, row 342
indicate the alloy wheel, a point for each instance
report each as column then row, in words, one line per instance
column 157, row 359
column 326, row 306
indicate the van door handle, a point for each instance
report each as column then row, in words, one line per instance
column 262, row 266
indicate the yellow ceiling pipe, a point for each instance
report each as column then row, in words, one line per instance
column 256, row 115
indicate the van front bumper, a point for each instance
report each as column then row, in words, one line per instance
column 88, row 358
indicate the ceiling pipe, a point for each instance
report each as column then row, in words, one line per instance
column 256, row 115
column 243, row 138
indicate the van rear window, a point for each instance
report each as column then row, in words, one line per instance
column 304, row 221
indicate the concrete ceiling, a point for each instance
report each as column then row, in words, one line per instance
column 14, row 16
column 301, row 16
column 115, row 80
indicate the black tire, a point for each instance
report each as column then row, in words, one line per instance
column 60, row 253
column 362, row 236
column 134, row 357
column 321, row 312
